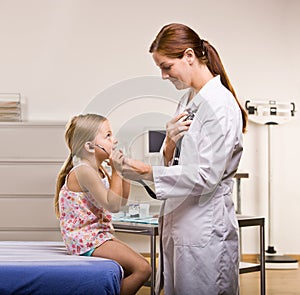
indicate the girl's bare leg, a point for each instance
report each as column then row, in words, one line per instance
column 136, row 267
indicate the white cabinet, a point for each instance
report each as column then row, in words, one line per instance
column 31, row 155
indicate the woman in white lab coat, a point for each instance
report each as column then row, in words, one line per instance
column 198, row 226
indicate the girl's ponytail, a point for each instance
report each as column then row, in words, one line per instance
column 66, row 168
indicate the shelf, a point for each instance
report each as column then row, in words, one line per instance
column 31, row 161
column 33, row 124
column 246, row 267
column 31, row 155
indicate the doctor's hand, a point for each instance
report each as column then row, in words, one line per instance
column 136, row 170
column 175, row 129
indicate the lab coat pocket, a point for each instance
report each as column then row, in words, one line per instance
column 194, row 224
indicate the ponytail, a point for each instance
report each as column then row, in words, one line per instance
column 174, row 39
column 61, row 178
column 216, row 67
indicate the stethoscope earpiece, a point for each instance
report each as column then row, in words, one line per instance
column 90, row 147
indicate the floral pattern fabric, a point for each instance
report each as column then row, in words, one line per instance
column 83, row 225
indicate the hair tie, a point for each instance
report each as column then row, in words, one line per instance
column 76, row 160
column 203, row 49
column 201, row 44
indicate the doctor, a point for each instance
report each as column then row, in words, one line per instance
column 198, row 225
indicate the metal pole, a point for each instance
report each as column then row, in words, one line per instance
column 153, row 263
column 271, row 248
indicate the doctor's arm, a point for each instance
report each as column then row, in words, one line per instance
column 136, row 170
column 204, row 157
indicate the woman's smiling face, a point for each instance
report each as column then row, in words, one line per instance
column 177, row 70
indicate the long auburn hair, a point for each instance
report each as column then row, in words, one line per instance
column 174, row 39
column 79, row 130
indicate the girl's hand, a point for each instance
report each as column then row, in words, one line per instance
column 116, row 159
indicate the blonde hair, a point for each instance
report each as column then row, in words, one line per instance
column 79, row 130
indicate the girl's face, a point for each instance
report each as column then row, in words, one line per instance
column 105, row 139
column 177, row 70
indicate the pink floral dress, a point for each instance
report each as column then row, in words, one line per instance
column 83, row 225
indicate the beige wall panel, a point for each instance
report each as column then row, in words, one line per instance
column 28, row 178
column 30, row 236
column 27, row 213
column 32, row 141
column 31, row 155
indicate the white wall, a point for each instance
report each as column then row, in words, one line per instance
column 61, row 53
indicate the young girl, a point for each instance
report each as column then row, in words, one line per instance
column 86, row 194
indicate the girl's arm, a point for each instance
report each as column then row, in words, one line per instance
column 126, row 191
column 119, row 186
column 116, row 161
column 89, row 180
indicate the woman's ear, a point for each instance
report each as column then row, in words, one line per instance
column 189, row 55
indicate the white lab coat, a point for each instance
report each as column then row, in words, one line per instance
column 198, row 225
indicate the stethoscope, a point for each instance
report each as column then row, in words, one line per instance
column 102, row 148
column 190, row 116
column 151, row 193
